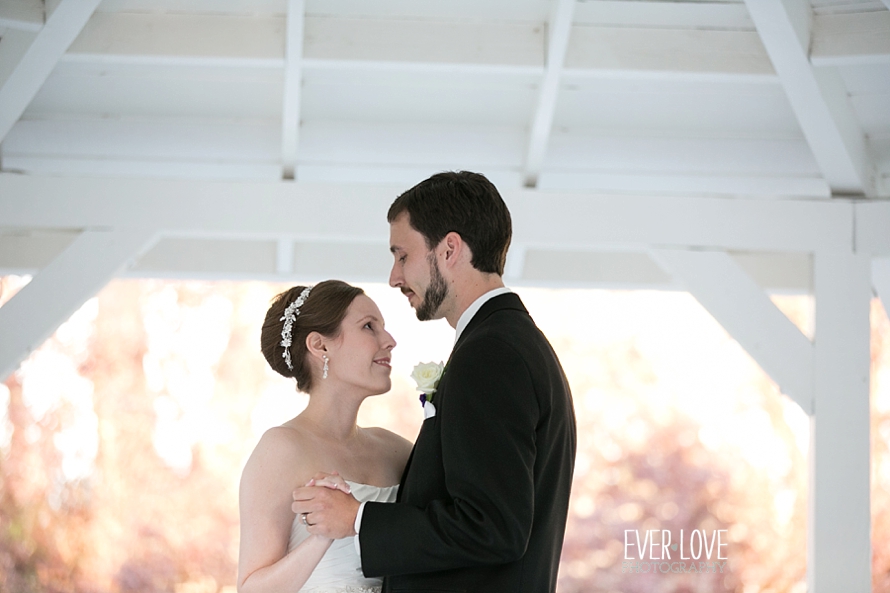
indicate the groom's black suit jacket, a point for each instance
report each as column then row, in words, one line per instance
column 483, row 500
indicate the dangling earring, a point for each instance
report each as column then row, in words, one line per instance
column 324, row 370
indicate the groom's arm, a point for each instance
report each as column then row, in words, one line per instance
column 487, row 429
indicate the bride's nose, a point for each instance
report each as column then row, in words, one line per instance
column 389, row 343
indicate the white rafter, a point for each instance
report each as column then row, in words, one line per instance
column 880, row 278
column 558, row 30
column 35, row 312
column 818, row 96
column 745, row 311
column 290, row 118
column 36, row 63
column 574, row 219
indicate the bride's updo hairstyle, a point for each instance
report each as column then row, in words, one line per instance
column 322, row 311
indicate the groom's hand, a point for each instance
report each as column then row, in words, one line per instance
column 329, row 513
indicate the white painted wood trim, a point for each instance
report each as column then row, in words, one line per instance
column 558, row 31
column 839, row 527
column 62, row 26
column 290, row 120
column 55, row 293
column 747, row 313
column 818, row 98
column 576, row 220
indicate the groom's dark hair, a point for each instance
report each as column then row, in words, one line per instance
column 463, row 202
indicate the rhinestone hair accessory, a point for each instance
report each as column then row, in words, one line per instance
column 289, row 317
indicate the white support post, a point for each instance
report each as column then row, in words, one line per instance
column 34, row 313
column 61, row 28
column 745, row 311
column 880, row 278
column 290, row 119
column 558, row 42
column 839, row 533
column 817, row 96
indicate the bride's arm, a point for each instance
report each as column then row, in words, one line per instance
column 265, row 498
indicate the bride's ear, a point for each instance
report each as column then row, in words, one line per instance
column 316, row 345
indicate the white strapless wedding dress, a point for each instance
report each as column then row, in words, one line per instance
column 340, row 570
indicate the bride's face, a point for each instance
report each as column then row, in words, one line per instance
column 361, row 354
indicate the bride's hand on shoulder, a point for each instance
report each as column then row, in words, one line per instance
column 332, row 480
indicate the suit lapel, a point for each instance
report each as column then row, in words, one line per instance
column 501, row 302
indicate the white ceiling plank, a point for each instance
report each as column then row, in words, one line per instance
column 574, row 219
column 653, row 13
column 558, row 29
column 290, row 119
column 747, row 313
column 173, row 37
column 13, row 47
column 818, row 97
column 24, row 15
column 858, row 38
column 420, row 46
column 62, row 26
column 667, row 50
column 437, row 42
column 83, row 268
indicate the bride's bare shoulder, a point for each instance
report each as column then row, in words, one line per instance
column 390, row 444
column 281, row 448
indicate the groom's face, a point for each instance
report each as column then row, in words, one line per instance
column 415, row 270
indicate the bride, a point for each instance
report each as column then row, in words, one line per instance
column 330, row 338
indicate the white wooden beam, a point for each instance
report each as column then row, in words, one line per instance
column 872, row 227
column 300, row 210
column 61, row 27
column 24, row 15
column 818, row 97
column 838, row 545
column 745, row 311
column 856, row 38
column 558, row 29
column 880, row 278
column 290, row 119
column 55, row 293
column 406, row 152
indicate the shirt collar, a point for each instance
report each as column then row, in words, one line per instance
column 467, row 315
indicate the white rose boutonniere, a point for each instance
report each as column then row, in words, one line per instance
column 427, row 376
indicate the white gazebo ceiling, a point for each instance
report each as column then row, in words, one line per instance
column 677, row 97
column 754, row 99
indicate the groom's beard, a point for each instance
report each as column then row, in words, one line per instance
column 435, row 293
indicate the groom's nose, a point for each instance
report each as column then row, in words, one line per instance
column 395, row 276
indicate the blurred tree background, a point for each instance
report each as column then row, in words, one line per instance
column 122, row 439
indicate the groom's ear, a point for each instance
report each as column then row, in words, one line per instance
column 452, row 248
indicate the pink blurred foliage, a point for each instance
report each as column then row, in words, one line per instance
column 137, row 525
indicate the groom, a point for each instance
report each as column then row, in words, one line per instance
column 483, row 500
